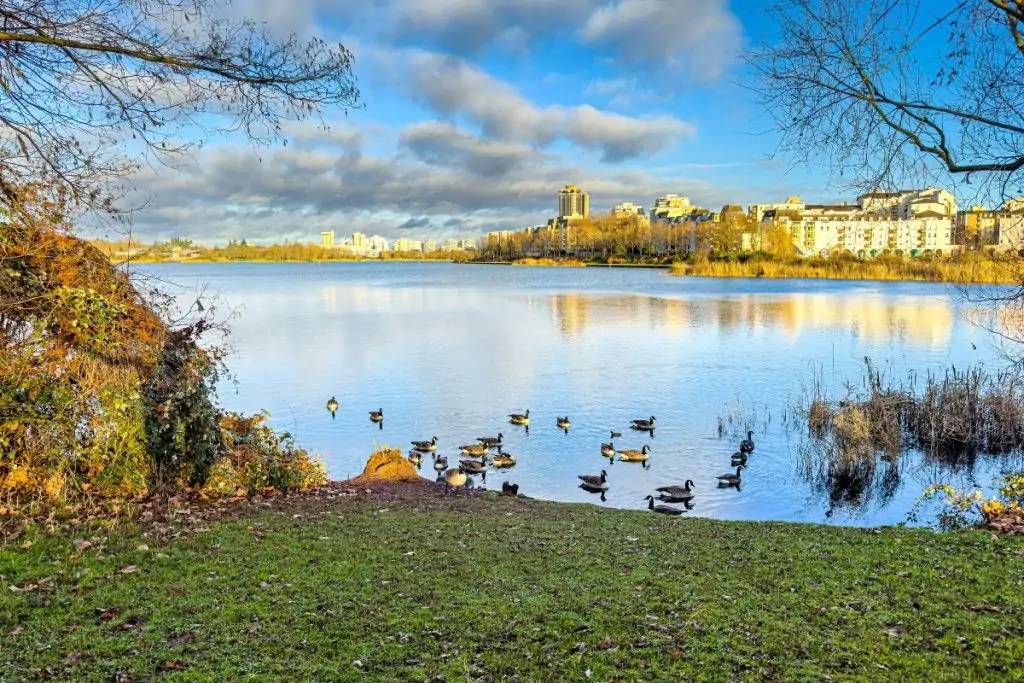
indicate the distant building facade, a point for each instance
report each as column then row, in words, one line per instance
column 573, row 202
column 327, row 239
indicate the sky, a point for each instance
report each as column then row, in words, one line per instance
column 474, row 113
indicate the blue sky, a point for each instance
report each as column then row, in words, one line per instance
column 475, row 112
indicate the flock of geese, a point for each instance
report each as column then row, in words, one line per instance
column 479, row 459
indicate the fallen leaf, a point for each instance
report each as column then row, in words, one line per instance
column 142, row 548
column 606, row 643
column 130, row 569
column 72, row 659
column 171, row 665
column 17, row 631
column 108, row 614
column 81, row 544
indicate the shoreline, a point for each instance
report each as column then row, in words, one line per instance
column 507, row 586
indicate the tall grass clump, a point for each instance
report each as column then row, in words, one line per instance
column 951, row 417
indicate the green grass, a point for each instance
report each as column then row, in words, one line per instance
column 502, row 589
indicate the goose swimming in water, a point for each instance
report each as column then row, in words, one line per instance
column 662, row 509
column 474, row 466
column 676, row 493
column 332, row 407
column 425, row 446
column 440, row 464
column 615, row 435
column 608, row 450
column 635, row 456
column 738, row 459
column 747, row 445
column 563, row 423
column 592, row 482
column 643, row 425
column 520, row 419
column 475, row 449
column 729, row 479
column 377, row 415
column 491, row 441
column 503, row 461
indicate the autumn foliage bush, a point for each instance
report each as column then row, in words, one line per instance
column 100, row 393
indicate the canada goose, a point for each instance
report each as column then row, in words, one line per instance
column 739, row 458
column 475, row 449
column 440, row 463
column 508, row 489
column 663, row 509
column 454, row 479
column 474, row 466
column 644, row 425
column 747, row 445
column 503, row 460
column 595, row 482
column 332, row 407
column 608, row 450
column 563, row 423
column 425, row 446
column 491, row 441
column 616, row 435
column 729, row 479
column 377, row 415
column 517, row 419
column 635, row 456
column 415, row 457
column 678, row 493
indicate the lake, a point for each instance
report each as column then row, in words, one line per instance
column 450, row 350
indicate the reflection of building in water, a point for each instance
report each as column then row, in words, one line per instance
column 329, row 295
column 570, row 311
column 926, row 321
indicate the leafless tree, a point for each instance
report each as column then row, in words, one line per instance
column 891, row 90
column 91, row 88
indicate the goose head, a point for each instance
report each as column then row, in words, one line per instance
column 646, row 449
column 688, row 484
column 604, row 476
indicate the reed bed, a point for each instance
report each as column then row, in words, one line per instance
column 965, row 270
column 951, row 417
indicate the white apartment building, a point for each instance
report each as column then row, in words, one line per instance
column 429, row 245
column 327, row 239
column 378, row 244
column 406, row 244
column 670, row 207
column 868, row 237
column 467, row 244
column 756, row 212
column 930, row 202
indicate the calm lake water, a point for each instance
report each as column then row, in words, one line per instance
column 450, row 350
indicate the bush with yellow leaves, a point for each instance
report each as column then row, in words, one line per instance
column 962, row 509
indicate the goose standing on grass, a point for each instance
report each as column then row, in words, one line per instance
column 440, row 464
column 608, row 450
column 503, row 461
column 676, row 493
column 595, row 482
column 662, row 509
column 739, row 459
column 563, row 423
column 425, row 446
column 635, row 456
column 477, row 450
column 332, row 407
column 615, row 435
column 520, row 419
column 454, row 479
column 377, row 415
column 643, row 425
column 730, row 479
column 747, row 445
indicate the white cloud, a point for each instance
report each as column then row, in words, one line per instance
column 452, row 87
column 698, row 37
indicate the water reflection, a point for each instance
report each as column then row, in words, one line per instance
column 926, row 321
column 453, row 350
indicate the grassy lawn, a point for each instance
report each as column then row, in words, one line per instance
column 420, row 588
